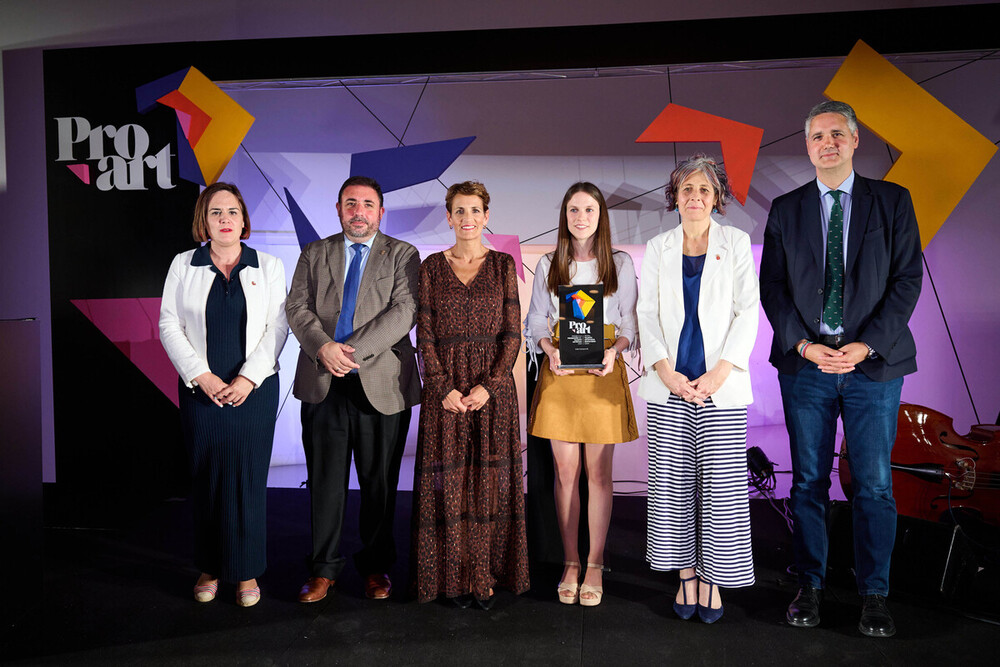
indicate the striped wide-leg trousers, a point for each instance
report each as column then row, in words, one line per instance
column 698, row 507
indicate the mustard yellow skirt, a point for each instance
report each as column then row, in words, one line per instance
column 584, row 407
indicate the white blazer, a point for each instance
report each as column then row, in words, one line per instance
column 182, row 316
column 727, row 309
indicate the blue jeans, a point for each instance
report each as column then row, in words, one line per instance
column 812, row 401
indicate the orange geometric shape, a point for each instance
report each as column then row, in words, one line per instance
column 941, row 155
column 582, row 304
column 211, row 125
column 229, row 124
column 740, row 142
column 192, row 119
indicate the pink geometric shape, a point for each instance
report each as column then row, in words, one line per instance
column 82, row 171
column 185, row 120
column 510, row 244
column 133, row 326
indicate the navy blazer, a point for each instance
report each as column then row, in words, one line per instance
column 882, row 275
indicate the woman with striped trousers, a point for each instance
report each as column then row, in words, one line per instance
column 698, row 321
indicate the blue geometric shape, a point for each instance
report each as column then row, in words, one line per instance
column 403, row 222
column 398, row 168
column 146, row 97
column 187, row 163
column 147, row 94
column 577, row 311
column 304, row 231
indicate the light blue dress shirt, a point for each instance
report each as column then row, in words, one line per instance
column 349, row 253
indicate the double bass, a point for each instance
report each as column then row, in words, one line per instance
column 936, row 471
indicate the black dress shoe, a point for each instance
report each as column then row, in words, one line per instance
column 487, row 603
column 875, row 618
column 463, row 601
column 804, row 610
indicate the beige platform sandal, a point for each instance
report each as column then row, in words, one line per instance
column 572, row 588
column 596, row 591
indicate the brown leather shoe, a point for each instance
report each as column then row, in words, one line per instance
column 315, row 589
column 377, row 586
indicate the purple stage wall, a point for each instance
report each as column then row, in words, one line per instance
column 534, row 137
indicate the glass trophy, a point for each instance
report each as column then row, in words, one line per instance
column 581, row 326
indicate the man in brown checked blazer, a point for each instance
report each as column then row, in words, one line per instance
column 351, row 307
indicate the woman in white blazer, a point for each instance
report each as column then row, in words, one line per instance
column 222, row 323
column 698, row 321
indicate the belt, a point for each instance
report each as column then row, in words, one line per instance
column 836, row 341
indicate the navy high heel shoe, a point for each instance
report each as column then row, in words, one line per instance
column 707, row 614
column 685, row 610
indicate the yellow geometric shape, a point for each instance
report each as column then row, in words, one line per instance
column 940, row 154
column 230, row 123
column 584, row 302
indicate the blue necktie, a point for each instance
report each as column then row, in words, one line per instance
column 833, row 288
column 345, row 325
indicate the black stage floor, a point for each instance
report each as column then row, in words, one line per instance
column 123, row 597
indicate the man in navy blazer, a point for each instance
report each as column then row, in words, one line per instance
column 840, row 276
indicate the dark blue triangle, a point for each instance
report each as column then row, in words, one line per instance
column 304, row 231
column 398, row 168
column 147, row 94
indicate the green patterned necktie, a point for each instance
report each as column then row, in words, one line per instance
column 833, row 285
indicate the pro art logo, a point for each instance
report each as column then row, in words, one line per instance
column 210, row 128
column 120, row 155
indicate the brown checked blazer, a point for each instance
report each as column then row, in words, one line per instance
column 384, row 314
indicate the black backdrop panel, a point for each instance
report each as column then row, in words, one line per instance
column 117, row 436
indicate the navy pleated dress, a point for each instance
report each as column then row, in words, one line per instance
column 229, row 447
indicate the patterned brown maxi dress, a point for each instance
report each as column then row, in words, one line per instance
column 468, row 519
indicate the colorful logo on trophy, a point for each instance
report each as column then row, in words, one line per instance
column 581, row 304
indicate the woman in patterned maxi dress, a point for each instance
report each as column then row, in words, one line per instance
column 468, row 520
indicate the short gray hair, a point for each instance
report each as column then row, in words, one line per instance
column 833, row 106
column 712, row 171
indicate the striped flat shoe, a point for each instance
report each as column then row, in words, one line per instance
column 206, row 592
column 248, row 597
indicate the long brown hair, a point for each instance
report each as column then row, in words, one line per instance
column 563, row 255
